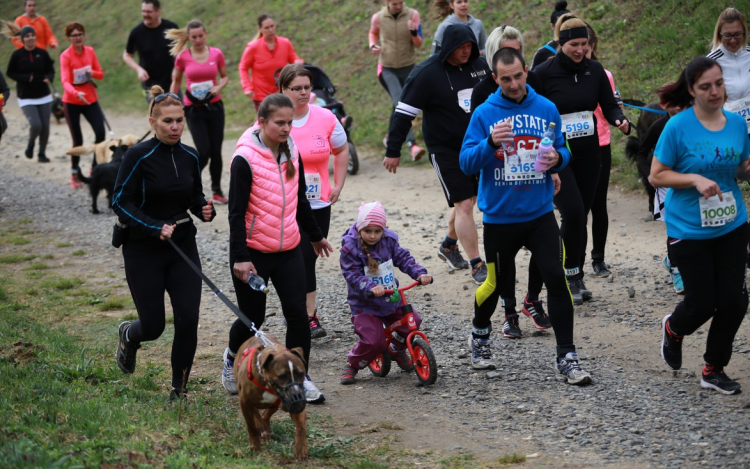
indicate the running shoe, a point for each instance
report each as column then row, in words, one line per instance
column 75, row 183
column 453, row 257
column 568, row 367
column 479, row 273
column 511, row 328
column 417, row 152
column 402, row 357
column 601, row 269
column 43, row 159
column 535, row 310
column 316, row 330
column 575, row 291
column 227, row 374
column 481, row 354
column 29, row 152
column 714, row 377
column 126, row 350
column 219, row 199
column 674, row 273
column 175, row 395
column 347, row 376
column 671, row 345
column 312, row 393
column 585, row 293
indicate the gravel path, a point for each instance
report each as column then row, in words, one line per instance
column 636, row 414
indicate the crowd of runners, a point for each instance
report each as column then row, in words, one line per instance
column 515, row 140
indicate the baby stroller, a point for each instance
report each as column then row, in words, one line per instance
column 324, row 97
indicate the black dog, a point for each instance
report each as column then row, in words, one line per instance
column 104, row 176
column 57, row 108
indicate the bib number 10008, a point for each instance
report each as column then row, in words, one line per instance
column 720, row 212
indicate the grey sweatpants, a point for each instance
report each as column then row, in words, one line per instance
column 38, row 116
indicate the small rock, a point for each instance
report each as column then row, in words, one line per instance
column 631, row 292
column 466, row 287
column 611, row 279
column 493, row 374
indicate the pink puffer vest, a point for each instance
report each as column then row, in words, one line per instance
column 271, row 216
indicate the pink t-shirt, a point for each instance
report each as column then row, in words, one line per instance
column 200, row 77
column 602, row 126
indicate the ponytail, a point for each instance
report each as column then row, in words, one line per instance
column 10, row 29
column 180, row 37
column 372, row 264
column 442, row 9
column 677, row 93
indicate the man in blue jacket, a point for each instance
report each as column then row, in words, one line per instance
column 516, row 201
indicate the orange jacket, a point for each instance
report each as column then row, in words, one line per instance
column 264, row 63
column 70, row 61
column 44, row 36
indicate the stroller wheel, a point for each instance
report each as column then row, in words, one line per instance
column 353, row 166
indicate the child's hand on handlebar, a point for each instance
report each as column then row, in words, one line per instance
column 378, row 291
column 425, row 279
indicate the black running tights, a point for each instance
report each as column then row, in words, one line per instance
column 206, row 124
column 93, row 114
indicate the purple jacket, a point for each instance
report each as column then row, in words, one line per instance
column 354, row 263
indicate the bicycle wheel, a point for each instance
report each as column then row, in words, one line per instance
column 424, row 362
column 353, row 166
column 381, row 365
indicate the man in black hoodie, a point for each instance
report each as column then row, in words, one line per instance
column 441, row 86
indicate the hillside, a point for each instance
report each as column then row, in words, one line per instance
column 644, row 43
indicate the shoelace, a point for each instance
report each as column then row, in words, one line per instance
column 482, row 350
column 314, row 322
column 570, row 366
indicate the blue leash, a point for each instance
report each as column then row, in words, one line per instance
column 655, row 111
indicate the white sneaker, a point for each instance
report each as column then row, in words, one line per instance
column 227, row 374
column 568, row 367
column 312, row 393
column 481, row 354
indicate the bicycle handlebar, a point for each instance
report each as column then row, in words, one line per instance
column 415, row 283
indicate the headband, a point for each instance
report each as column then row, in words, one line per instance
column 580, row 32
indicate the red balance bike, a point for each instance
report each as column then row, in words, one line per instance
column 416, row 342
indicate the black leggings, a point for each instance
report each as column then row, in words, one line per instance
column 153, row 267
column 579, row 181
column 284, row 269
column 323, row 218
column 501, row 244
column 713, row 271
column 206, row 124
column 599, row 215
column 93, row 114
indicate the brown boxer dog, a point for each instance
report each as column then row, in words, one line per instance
column 268, row 377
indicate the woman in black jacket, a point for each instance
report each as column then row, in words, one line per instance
column 33, row 70
column 577, row 85
column 158, row 182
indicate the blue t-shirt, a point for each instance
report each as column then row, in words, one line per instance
column 689, row 148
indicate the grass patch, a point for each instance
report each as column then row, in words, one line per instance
column 16, row 258
column 37, row 266
column 79, row 252
column 512, row 458
column 18, row 240
column 115, row 303
column 62, row 283
column 63, row 245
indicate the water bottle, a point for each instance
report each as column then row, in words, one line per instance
column 540, row 165
column 257, row 283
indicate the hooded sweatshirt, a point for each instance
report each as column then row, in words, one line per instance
column 476, row 26
column 443, row 92
column 354, row 269
column 504, row 201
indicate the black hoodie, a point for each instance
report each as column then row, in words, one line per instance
column 29, row 69
column 433, row 87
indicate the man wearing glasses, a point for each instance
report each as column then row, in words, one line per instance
column 730, row 50
column 155, row 64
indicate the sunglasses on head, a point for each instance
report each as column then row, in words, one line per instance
column 161, row 97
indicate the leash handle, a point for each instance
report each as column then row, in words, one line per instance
column 655, row 111
column 218, row 292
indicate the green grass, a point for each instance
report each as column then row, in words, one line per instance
column 16, row 258
column 79, row 252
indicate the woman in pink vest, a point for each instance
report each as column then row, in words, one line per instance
column 267, row 206
column 317, row 133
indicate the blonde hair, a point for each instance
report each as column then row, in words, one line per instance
column 372, row 264
column 153, row 106
column 568, row 21
column 730, row 15
column 498, row 36
column 11, row 29
column 180, row 37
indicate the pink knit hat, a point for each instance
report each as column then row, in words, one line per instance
column 371, row 214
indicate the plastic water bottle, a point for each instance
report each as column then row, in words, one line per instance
column 548, row 138
column 257, row 283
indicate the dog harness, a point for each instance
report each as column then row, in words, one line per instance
column 251, row 352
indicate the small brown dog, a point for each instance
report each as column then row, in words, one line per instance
column 268, row 377
column 103, row 150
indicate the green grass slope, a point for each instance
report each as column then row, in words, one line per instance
column 644, row 43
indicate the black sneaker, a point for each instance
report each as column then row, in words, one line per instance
column 715, row 378
column 511, row 328
column 479, row 273
column 453, row 257
column 126, row 350
column 43, row 159
column 575, row 291
column 175, row 394
column 601, row 269
column 316, row 330
column 585, row 293
column 671, row 345
column 535, row 310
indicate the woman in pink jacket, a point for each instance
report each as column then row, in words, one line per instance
column 267, row 207
column 317, row 134
column 79, row 66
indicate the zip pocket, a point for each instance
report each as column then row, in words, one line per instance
column 252, row 224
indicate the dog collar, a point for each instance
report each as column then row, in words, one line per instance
column 251, row 352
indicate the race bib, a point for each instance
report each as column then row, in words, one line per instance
column 715, row 212
column 313, row 186
column 522, row 167
column 464, row 99
column 578, row 124
column 741, row 107
column 80, row 76
column 201, row 90
column 384, row 277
